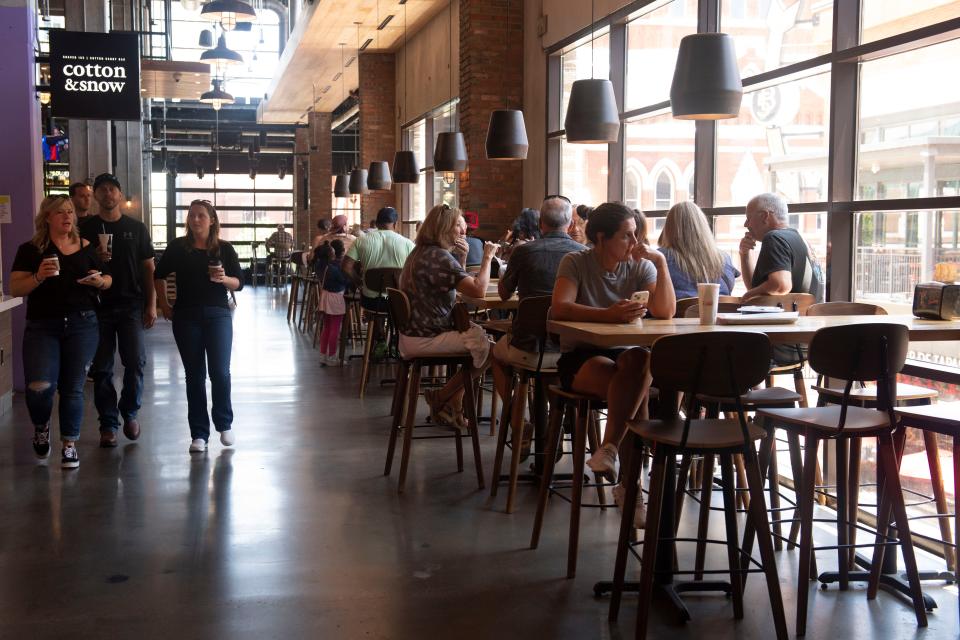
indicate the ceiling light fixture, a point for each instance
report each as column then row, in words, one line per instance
column 216, row 97
column 228, row 13
column 221, row 57
column 507, row 132
column 405, row 167
column 450, row 153
column 706, row 81
column 592, row 114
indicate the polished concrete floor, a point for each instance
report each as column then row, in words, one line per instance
column 296, row 534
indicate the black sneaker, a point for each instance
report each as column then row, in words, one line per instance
column 41, row 440
column 69, row 458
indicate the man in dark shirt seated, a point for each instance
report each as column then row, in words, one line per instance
column 785, row 263
column 532, row 271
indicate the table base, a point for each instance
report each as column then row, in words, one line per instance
column 890, row 582
column 670, row 592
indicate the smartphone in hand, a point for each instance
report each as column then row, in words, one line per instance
column 640, row 296
column 90, row 277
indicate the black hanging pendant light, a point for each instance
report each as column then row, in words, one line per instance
column 406, row 169
column 450, row 153
column 206, row 39
column 358, row 182
column 341, row 188
column 378, row 176
column 507, row 132
column 228, row 13
column 592, row 114
column 706, row 81
column 216, row 97
column 507, row 135
column 221, row 57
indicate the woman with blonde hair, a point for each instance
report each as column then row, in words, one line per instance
column 692, row 254
column 60, row 275
column 432, row 275
column 207, row 272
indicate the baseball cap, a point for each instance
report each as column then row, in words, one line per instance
column 106, row 177
column 387, row 215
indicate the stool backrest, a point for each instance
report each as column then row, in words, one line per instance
column 399, row 308
column 871, row 351
column 531, row 321
column 787, row 300
column 379, row 280
column 718, row 363
column 845, row 309
column 684, row 304
column 693, row 311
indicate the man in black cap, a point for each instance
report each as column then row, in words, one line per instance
column 126, row 309
column 382, row 248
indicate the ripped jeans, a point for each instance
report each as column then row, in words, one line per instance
column 56, row 355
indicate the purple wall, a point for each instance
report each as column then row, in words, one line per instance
column 21, row 164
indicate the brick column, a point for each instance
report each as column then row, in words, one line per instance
column 320, row 144
column 378, row 123
column 301, row 199
column 491, row 68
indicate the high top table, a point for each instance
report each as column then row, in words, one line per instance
column 610, row 336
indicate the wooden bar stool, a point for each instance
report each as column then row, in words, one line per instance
column 720, row 364
column 875, row 351
column 531, row 322
column 584, row 429
column 408, row 388
column 378, row 281
column 944, row 420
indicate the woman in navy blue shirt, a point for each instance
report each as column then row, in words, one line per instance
column 207, row 272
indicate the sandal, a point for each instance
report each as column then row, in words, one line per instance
column 440, row 413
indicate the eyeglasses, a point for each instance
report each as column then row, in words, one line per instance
column 557, row 195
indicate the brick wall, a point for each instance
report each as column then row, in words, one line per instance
column 491, row 68
column 320, row 145
column 378, row 122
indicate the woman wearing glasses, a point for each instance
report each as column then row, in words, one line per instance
column 60, row 275
column 207, row 273
column 432, row 275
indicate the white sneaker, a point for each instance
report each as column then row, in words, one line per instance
column 227, row 438
column 604, row 461
column 198, row 446
column 333, row 361
column 639, row 514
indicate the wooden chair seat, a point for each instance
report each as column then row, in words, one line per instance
column 939, row 418
column 498, row 327
column 576, row 395
column 453, row 357
column 860, row 422
column 768, row 396
column 712, row 434
column 905, row 393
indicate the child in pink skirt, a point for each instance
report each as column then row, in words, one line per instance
column 332, row 305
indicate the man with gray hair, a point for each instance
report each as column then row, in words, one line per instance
column 785, row 263
column 532, row 271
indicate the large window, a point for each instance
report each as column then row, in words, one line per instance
column 652, row 41
column 658, row 159
column 778, row 143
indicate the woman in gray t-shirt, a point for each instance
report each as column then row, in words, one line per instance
column 596, row 286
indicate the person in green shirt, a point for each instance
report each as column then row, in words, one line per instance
column 382, row 248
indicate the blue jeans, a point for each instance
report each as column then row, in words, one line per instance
column 121, row 328
column 204, row 338
column 56, row 355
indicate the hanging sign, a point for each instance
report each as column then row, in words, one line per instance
column 94, row 76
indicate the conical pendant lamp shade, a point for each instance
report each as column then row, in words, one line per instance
column 405, row 168
column 450, row 153
column 592, row 115
column 378, row 176
column 507, row 135
column 341, row 188
column 358, row 182
column 706, row 81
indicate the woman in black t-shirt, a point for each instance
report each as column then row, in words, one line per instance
column 61, row 276
column 207, row 271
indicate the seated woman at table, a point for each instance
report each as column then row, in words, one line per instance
column 432, row 275
column 692, row 254
column 596, row 285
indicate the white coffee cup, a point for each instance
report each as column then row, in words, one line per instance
column 106, row 242
column 708, row 296
column 56, row 262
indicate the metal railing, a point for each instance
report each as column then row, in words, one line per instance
column 889, row 274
